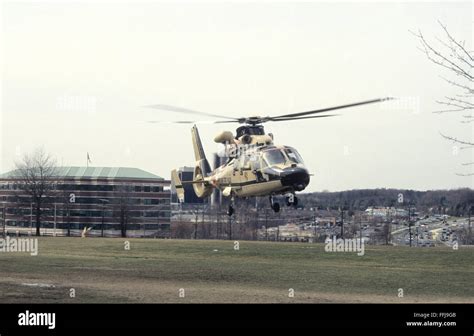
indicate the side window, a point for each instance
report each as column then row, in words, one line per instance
column 293, row 155
column 244, row 162
column 255, row 164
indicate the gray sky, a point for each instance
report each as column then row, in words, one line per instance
column 75, row 75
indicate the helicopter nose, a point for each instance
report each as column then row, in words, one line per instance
column 298, row 178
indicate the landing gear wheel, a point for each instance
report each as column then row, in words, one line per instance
column 276, row 207
column 230, row 210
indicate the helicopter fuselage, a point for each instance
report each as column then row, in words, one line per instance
column 261, row 171
column 254, row 167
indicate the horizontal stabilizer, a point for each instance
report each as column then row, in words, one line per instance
column 178, row 185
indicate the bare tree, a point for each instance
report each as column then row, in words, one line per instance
column 182, row 230
column 122, row 208
column 452, row 55
column 64, row 197
column 387, row 233
column 36, row 175
column 353, row 227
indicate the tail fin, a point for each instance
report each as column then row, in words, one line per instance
column 202, row 169
column 178, row 185
column 199, row 154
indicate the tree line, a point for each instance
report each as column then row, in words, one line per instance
column 456, row 202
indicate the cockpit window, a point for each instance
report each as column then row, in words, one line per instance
column 274, row 157
column 293, row 155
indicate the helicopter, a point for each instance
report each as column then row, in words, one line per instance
column 255, row 166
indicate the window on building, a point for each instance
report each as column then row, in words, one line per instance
column 165, row 214
column 147, row 189
column 152, row 213
column 133, row 213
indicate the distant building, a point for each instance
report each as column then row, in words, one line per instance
column 92, row 197
column 386, row 212
column 190, row 197
column 287, row 232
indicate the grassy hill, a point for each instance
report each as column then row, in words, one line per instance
column 102, row 270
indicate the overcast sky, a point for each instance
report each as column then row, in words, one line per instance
column 74, row 78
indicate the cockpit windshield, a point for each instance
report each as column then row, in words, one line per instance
column 274, row 157
column 293, row 155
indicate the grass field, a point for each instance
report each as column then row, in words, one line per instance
column 102, row 270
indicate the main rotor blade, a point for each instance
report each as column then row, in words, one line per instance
column 309, row 117
column 226, row 121
column 182, row 122
column 299, row 114
column 185, row 110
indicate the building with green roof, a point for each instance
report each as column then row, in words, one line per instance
column 95, row 201
column 96, row 172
